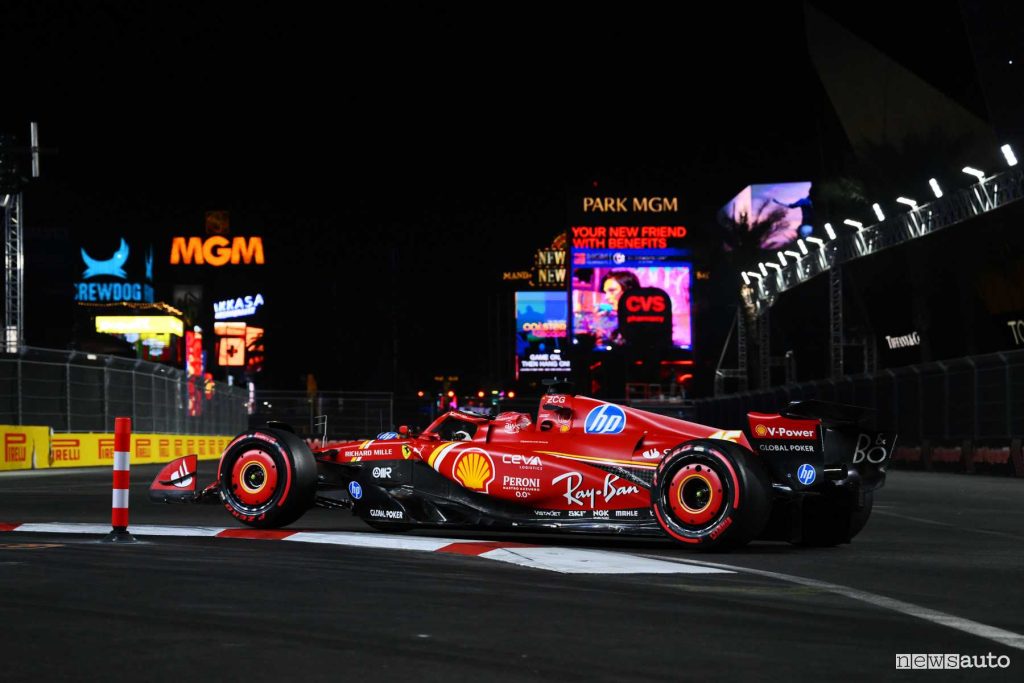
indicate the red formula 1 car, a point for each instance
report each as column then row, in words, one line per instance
column 806, row 475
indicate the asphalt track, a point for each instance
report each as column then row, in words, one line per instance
column 938, row 570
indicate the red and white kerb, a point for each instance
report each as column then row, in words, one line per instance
column 122, row 456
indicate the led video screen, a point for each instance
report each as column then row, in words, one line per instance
column 632, row 305
column 770, row 216
column 541, row 332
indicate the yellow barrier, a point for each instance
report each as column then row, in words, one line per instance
column 89, row 450
column 24, row 446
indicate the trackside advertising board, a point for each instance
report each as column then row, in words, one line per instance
column 23, row 446
column 90, row 450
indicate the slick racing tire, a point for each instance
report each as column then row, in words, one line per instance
column 831, row 520
column 711, row 495
column 267, row 478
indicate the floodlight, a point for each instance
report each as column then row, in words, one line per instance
column 980, row 175
column 1011, row 159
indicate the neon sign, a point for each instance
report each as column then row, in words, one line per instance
column 239, row 307
column 215, row 251
column 113, row 267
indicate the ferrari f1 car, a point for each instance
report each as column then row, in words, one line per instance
column 806, row 475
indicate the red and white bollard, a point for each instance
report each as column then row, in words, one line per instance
column 122, row 477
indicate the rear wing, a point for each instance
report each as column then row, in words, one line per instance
column 810, row 443
column 831, row 414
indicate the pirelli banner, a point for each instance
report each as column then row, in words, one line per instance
column 24, row 446
column 89, row 450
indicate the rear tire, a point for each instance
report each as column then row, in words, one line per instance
column 829, row 521
column 267, row 478
column 709, row 494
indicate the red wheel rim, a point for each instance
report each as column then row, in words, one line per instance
column 254, row 478
column 695, row 495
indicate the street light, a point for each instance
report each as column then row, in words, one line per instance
column 752, row 274
column 878, row 211
column 855, row 224
column 803, row 247
column 829, row 231
column 1011, row 159
column 760, row 266
column 817, row 240
column 782, row 258
column 746, row 279
column 935, row 188
column 776, row 266
column 980, row 175
column 793, row 254
column 909, row 202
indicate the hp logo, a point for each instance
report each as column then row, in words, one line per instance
column 606, row 419
column 806, row 474
column 355, row 490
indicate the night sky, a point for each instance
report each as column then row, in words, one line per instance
column 398, row 159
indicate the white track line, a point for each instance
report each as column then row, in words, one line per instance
column 932, row 522
column 993, row 633
column 547, row 558
column 573, row 561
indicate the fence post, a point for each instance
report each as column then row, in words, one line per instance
column 67, row 390
column 106, row 391
column 1009, row 395
column 135, row 417
column 20, row 421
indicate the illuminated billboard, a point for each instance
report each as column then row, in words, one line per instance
column 254, row 349
column 541, row 332
column 231, row 351
column 239, row 307
column 229, row 329
column 631, row 303
column 216, row 251
column 139, row 324
column 768, row 216
column 194, row 371
column 115, row 279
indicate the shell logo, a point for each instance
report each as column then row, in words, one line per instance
column 760, row 430
column 474, row 470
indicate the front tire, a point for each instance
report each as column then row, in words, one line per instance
column 267, row 478
column 709, row 494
